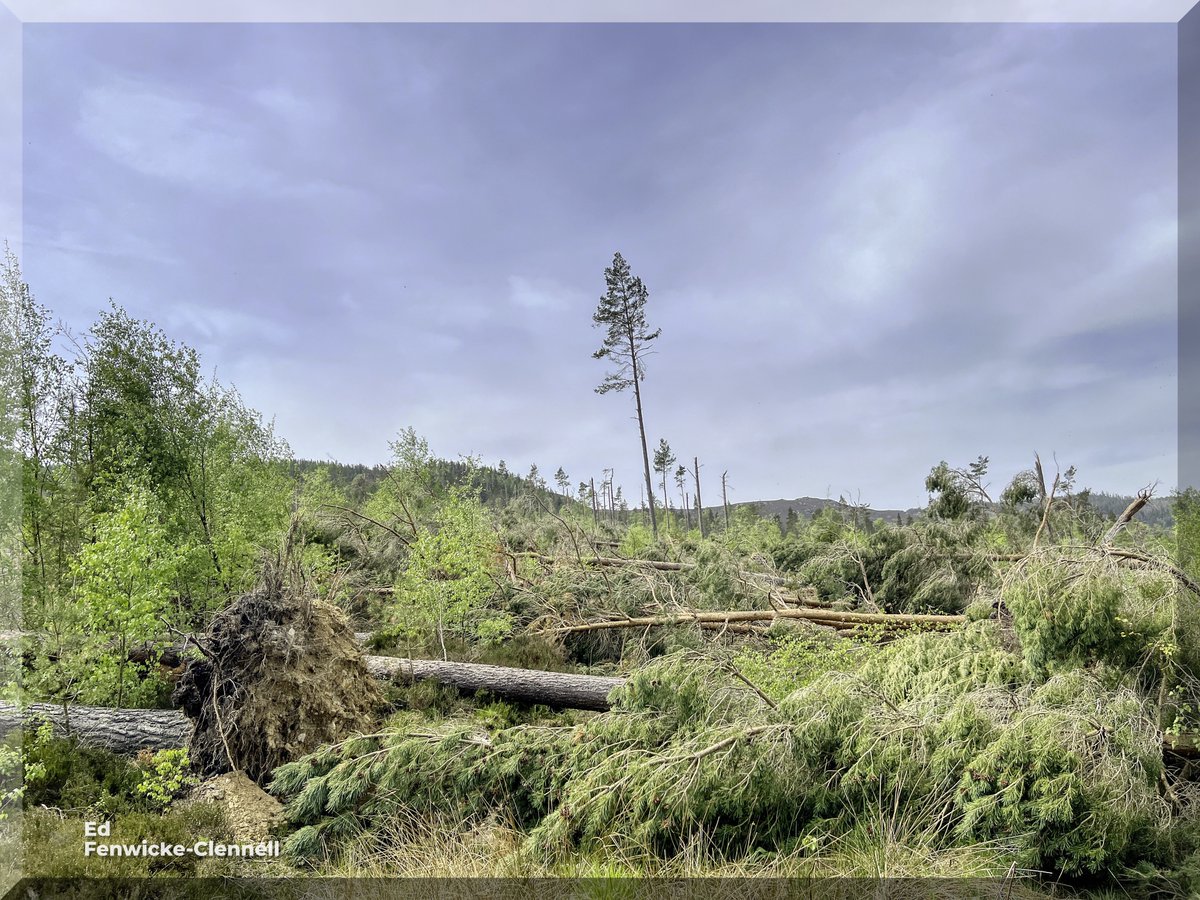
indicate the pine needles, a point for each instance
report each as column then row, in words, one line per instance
column 1065, row 773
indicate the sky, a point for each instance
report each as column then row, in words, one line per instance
column 869, row 247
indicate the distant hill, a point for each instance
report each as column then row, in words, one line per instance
column 807, row 507
column 1156, row 512
column 496, row 488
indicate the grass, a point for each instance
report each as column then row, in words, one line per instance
column 893, row 848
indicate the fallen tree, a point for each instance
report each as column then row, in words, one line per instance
column 558, row 689
column 130, row 730
column 830, row 618
column 127, row 731
column 653, row 564
column 124, row 731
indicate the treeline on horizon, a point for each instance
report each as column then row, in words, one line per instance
column 151, row 493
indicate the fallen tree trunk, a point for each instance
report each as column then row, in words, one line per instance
column 526, row 685
column 124, row 731
column 129, row 730
column 654, row 564
column 818, row 616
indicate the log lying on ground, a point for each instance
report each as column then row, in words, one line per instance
column 130, row 730
column 124, row 731
column 654, row 564
column 127, row 731
column 830, row 618
column 557, row 689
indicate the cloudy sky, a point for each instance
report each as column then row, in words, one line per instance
column 869, row 247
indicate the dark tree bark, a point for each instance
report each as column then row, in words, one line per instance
column 124, row 731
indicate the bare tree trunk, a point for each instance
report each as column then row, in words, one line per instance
column 595, row 509
column 637, row 396
column 556, row 689
column 699, row 505
column 1135, row 507
column 725, row 496
column 130, row 730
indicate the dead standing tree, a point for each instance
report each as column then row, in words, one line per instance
column 725, row 496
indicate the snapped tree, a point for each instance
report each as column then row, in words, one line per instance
column 622, row 313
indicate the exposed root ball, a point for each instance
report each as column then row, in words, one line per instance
column 284, row 674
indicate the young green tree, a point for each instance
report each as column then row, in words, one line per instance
column 563, row 482
column 124, row 587
column 146, row 412
column 449, row 576
column 663, row 460
column 35, row 389
column 1186, row 509
column 627, row 339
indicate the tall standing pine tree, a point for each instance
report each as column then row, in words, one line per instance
column 622, row 312
column 663, row 460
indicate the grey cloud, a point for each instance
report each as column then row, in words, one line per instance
column 869, row 247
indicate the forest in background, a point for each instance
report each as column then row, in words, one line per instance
column 789, row 706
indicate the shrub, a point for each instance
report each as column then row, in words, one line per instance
column 165, row 775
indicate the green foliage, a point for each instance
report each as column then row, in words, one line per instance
column 956, row 493
column 622, row 313
column 796, row 660
column 1066, row 773
column 637, row 540
column 20, row 768
column 448, row 579
column 52, row 847
column 938, row 665
column 1079, row 768
column 165, row 776
column 124, row 578
column 1186, row 511
column 1070, row 612
column 749, row 533
column 931, row 566
column 65, row 775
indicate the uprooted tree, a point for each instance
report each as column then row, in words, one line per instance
column 281, row 674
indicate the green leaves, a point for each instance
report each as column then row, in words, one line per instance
column 123, row 578
column 448, row 579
